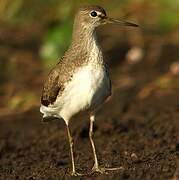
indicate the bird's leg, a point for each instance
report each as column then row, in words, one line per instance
column 73, row 173
column 96, row 167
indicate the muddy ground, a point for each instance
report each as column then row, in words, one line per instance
column 137, row 129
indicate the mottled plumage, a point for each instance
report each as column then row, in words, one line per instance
column 83, row 52
column 75, row 60
column 62, row 73
column 80, row 81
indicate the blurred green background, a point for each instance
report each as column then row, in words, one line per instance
column 34, row 35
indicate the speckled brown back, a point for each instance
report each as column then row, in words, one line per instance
column 62, row 73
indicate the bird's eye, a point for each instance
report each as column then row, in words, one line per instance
column 93, row 14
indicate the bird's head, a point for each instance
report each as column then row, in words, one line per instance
column 94, row 16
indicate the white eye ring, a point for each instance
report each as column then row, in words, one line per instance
column 93, row 14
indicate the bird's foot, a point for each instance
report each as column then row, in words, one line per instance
column 99, row 169
column 104, row 170
column 76, row 174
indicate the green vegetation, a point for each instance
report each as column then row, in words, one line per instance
column 51, row 36
column 57, row 36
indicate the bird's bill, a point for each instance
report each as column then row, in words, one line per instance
column 108, row 20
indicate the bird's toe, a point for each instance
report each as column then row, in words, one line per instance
column 104, row 170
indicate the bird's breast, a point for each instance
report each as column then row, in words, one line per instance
column 89, row 86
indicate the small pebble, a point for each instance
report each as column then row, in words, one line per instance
column 125, row 153
column 134, row 157
column 135, row 55
column 174, row 68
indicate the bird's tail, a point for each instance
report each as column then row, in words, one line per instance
column 49, row 114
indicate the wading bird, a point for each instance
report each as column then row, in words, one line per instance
column 80, row 81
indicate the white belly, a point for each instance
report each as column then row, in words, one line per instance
column 89, row 87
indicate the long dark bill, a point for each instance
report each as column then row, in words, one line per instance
column 119, row 22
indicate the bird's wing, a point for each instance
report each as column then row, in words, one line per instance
column 61, row 74
column 52, row 87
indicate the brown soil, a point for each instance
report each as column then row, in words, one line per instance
column 139, row 133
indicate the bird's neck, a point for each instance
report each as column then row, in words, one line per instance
column 85, row 41
column 84, row 37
